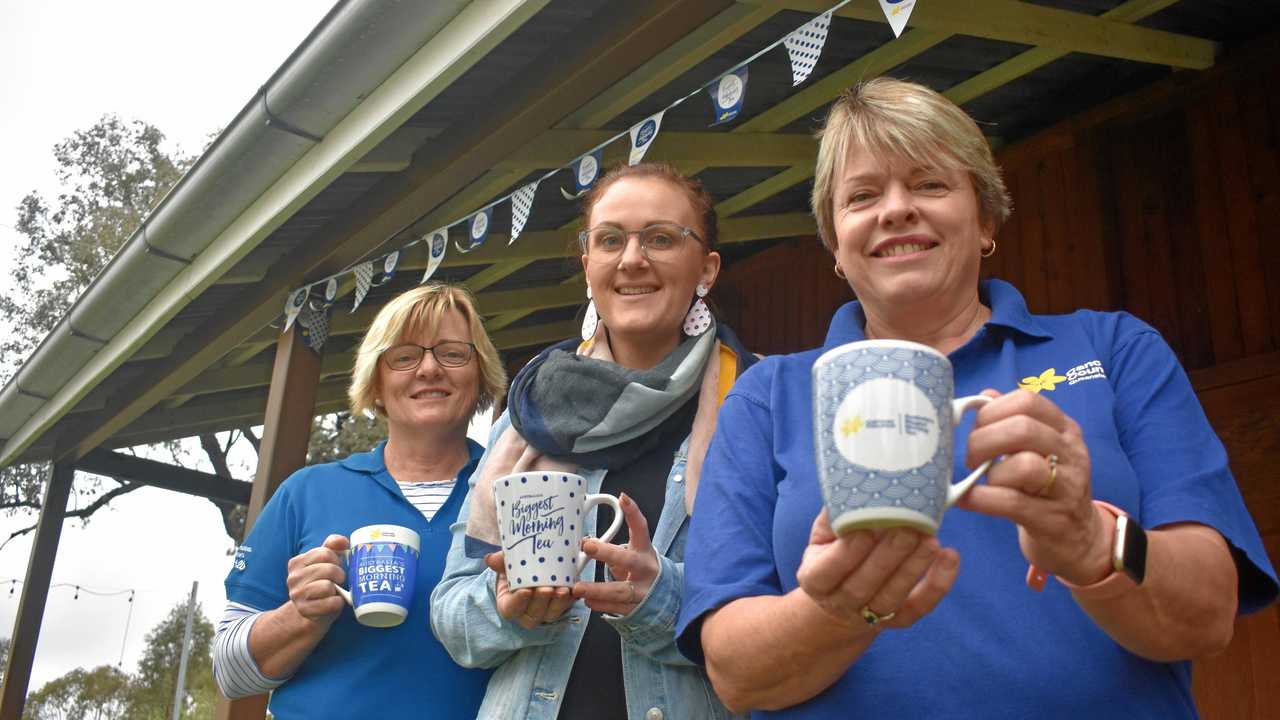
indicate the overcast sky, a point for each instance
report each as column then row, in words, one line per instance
column 187, row 68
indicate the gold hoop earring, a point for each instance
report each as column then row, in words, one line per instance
column 840, row 272
column 988, row 252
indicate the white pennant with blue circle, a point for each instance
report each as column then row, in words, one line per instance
column 727, row 94
column 477, row 230
column 897, row 12
column 642, row 135
column 389, row 265
column 293, row 304
column 586, row 170
column 437, row 243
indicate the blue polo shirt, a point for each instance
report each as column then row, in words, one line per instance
column 992, row 648
column 358, row 671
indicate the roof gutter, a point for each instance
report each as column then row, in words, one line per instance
column 364, row 70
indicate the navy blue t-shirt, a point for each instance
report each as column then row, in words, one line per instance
column 358, row 671
column 992, row 648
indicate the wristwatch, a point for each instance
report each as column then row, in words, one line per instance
column 1129, row 549
column 1128, row 560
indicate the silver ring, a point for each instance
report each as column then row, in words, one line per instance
column 635, row 596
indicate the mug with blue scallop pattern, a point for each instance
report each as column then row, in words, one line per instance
column 382, row 565
column 883, row 419
column 540, row 522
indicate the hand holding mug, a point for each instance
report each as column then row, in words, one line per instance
column 530, row 607
column 634, row 565
column 875, row 578
column 313, row 579
column 1042, row 484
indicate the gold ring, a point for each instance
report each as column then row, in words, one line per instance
column 1053, row 475
column 874, row 618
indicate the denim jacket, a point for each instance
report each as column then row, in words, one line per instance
column 533, row 666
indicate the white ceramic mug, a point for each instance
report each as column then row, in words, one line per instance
column 884, row 413
column 540, row 518
column 382, row 564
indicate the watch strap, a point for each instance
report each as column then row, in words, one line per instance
column 1110, row 586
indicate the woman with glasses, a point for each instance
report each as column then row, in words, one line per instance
column 631, row 407
column 426, row 366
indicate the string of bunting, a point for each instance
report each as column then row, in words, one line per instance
column 311, row 304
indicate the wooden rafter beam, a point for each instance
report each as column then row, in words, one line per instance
column 127, row 468
column 520, row 112
column 1040, row 26
column 702, row 148
column 1024, row 63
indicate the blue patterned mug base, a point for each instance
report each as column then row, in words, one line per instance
column 868, row 518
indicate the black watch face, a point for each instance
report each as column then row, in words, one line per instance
column 1134, row 551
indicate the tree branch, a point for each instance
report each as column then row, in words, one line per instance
column 82, row 513
column 253, row 439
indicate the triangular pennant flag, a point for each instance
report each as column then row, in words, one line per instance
column 521, row 205
column 727, row 93
column 315, row 325
column 330, row 291
column 897, row 12
column 364, row 280
column 293, row 304
column 439, row 242
column 477, row 230
column 642, row 135
column 586, row 170
column 389, row 264
column 804, row 46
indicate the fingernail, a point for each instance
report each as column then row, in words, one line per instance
column 623, row 499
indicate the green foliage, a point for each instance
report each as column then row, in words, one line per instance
column 97, row 694
column 336, row 436
column 151, row 693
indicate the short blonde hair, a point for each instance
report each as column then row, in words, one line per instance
column 898, row 119
column 412, row 314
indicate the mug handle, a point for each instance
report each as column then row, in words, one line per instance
column 346, row 595
column 958, row 408
column 614, row 527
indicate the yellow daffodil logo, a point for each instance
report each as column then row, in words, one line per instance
column 1048, row 380
column 851, row 426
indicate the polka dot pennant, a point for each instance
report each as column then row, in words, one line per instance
column 521, row 205
column 805, row 46
column 364, row 280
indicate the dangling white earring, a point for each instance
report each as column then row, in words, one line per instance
column 699, row 317
column 590, row 320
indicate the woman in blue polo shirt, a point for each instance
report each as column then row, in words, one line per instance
column 790, row 617
column 427, row 366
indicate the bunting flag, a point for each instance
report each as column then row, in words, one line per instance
column 477, row 230
column 330, row 291
column 804, row 46
column 314, row 320
column 897, row 12
column 294, row 304
column 727, row 93
column 389, row 264
column 642, row 135
column 439, row 242
column 364, row 280
column 586, row 170
column 521, row 205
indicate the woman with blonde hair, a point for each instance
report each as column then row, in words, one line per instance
column 426, row 366
column 792, row 617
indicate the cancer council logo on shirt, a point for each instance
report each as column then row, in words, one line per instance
column 1050, row 379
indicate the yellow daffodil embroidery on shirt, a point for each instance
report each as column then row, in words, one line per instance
column 851, row 426
column 1048, row 380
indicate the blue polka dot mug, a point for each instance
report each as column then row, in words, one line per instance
column 540, row 521
column 883, row 419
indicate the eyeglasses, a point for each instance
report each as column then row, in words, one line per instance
column 659, row 242
column 450, row 353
